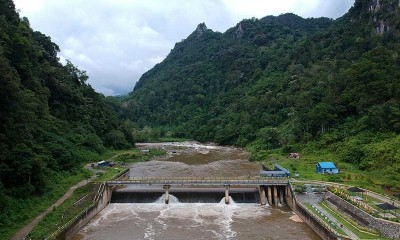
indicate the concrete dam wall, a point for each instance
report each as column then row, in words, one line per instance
column 186, row 195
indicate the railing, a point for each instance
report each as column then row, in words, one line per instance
column 201, row 181
column 96, row 199
column 323, row 224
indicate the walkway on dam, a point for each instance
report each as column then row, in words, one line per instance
column 333, row 219
column 201, row 181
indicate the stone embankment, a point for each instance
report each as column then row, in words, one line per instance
column 387, row 229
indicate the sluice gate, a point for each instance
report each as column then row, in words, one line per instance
column 270, row 191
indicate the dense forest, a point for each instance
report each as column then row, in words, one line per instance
column 51, row 120
column 282, row 82
column 285, row 82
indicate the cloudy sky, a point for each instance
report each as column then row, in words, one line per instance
column 116, row 41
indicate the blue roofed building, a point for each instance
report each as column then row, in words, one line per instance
column 326, row 167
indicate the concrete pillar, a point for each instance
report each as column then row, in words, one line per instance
column 288, row 195
column 276, row 200
column 263, row 198
column 281, row 194
column 166, row 188
column 227, row 194
column 269, row 190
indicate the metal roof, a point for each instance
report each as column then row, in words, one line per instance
column 326, row 165
column 355, row 189
column 387, row 206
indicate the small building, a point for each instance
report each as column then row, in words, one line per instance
column 278, row 171
column 103, row 164
column 326, row 167
column 294, row 155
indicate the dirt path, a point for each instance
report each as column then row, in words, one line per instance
column 22, row 233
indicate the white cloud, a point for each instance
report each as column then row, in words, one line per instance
column 116, row 41
column 29, row 6
column 155, row 60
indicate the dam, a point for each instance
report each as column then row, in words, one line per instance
column 273, row 190
column 216, row 196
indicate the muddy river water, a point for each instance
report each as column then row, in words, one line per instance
column 195, row 220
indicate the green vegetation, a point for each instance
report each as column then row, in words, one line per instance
column 52, row 122
column 351, row 226
column 81, row 199
column 350, row 174
column 19, row 212
column 71, row 207
column 109, row 173
column 135, row 155
column 328, row 89
column 325, row 88
column 327, row 222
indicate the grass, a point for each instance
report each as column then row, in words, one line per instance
column 64, row 212
column 132, row 155
column 19, row 212
column 349, row 173
column 310, row 208
column 361, row 234
column 58, row 216
column 109, row 173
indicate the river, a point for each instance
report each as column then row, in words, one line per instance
column 195, row 220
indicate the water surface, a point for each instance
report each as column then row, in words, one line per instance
column 195, row 220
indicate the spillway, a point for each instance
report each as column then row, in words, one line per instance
column 186, row 195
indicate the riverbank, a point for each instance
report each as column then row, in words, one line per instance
column 146, row 216
column 56, row 214
column 20, row 212
column 349, row 174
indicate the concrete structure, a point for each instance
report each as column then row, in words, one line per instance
column 269, row 195
column 166, row 188
column 101, row 201
column 314, row 222
column 263, row 196
column 275, row 187
column 103, row 198
column 278, row 171
column 227, row 194
column 278, row 181
column 326, row 167
column 276, row 202
column 388, row 229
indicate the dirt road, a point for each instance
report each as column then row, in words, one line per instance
column 22, row 233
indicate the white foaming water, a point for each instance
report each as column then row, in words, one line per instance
column 171, row 221
column 204, row 221
column 172, row 199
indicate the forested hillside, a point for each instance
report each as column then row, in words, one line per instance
column 51, row 120
column 285, row 82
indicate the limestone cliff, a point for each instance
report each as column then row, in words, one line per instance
column 384, row 15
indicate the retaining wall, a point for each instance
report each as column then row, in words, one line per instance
column 316, row 224
column 101, row 200
column 311, row 220
column 386, row 228
column 84, row 217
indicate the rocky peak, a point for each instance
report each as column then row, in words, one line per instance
column 201, row 29
column 239, row 30
column 384, row 14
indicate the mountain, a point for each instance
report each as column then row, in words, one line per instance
column 285, row 82
column 51, row 120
